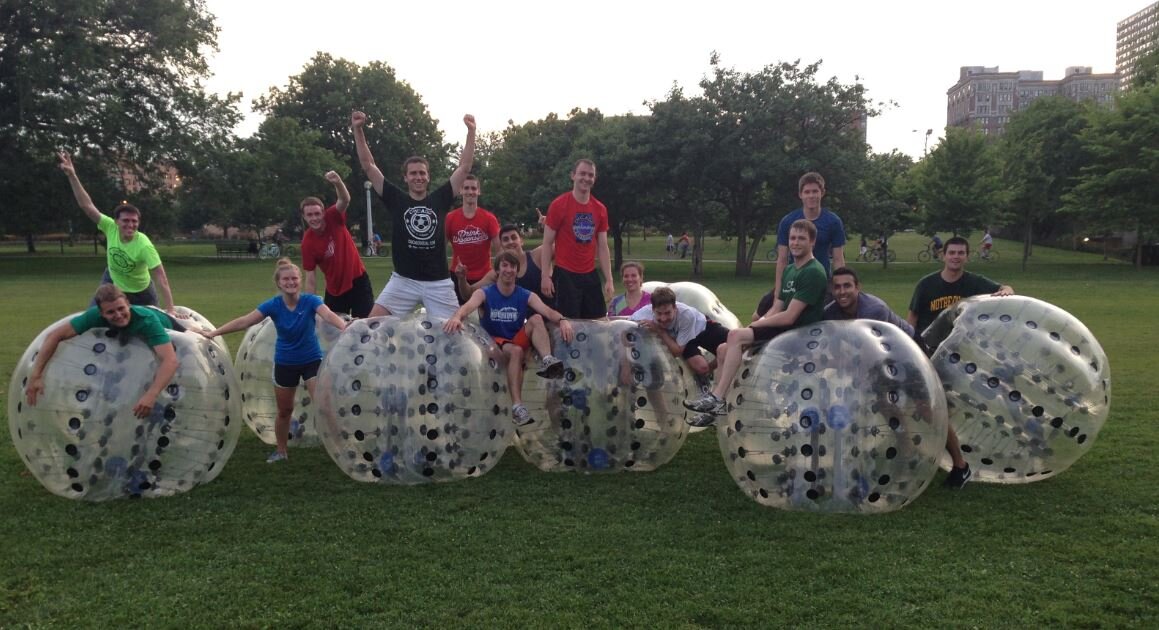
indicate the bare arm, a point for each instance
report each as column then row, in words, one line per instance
column 546, row 262
column 162, row 281
column 912, row 318
column 838, row 257
column 455, row 322
column 782, row 262
column 311, row 285
column 605, row 259
column 168, row 358
column 676, row 349
column 467, row 159
column 78, row 190
column 35, row 386
column 357, row 120
column 551, row 315
column 783, row 318
column 339, row 189
column 1003, row 291
column 330, row 317
column 241, row 323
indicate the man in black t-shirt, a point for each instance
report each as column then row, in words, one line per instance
column 418, row 241
column 932, row 295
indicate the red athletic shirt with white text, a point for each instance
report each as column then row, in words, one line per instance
column 334, row 251
column 577, row 226
column 470, row 240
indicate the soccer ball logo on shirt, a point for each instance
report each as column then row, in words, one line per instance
column 121, row 261
column 583, row 226
column 421, row 222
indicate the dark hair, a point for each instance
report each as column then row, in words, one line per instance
column 411, row 160
column 811, row 178
column 310, row 201
column 510, row 227
column 847, row 271
column 663, row 296
column 126, row 207
column 508, row 258
column 957, row 240
column 806, row 226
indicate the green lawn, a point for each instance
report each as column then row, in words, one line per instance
column 302, row 544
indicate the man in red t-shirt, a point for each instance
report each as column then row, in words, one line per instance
column 574, row 236
column 473, row 233
column 327, row 244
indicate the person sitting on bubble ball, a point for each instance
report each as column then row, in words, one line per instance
column 297, row 353
column 505, row 317
column 123, row 320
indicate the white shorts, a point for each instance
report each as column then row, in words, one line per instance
column 401, row 295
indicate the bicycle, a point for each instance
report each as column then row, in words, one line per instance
column 927, row 254
column 990, row 256
column 382, row 251
column 874, row 255
column 772, row 255
column 274, row 250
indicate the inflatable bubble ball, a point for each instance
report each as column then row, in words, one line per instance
column 616, row 408
column 1029, row 387
column 838, row 416
column 193, row 321
column 700, row 298
column 402, row 402
column 255, row 368
column 82, row 441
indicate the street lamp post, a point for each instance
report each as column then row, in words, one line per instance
column 368, row 237
column 926, row 143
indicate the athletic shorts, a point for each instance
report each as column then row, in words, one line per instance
column 709, row 339
column 291, row 375
column 356, row 302
column 521, row 339
column 765, row 333
column 401, row 295
column 579, row 295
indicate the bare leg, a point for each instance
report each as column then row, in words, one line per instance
column 729, row 358
column 514, row 355
column 378, row 311
column 540, row 340
column 954, row 449
column 285, row 399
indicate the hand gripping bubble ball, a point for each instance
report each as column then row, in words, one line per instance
column 1029, row 387
column 700, row 298
column 82, row 441
column 616, row 408
column 255, row 368
column 837, row 416
column 402, row 402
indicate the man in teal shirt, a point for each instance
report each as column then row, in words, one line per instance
column 800, row 302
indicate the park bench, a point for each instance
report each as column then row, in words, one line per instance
column 235, row 249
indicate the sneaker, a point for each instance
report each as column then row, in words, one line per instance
column 703, row 383
column 707, row 403
column 521, row 416
column 276, row 457
column 550, row 367
column 701, row 420
column 958, row 477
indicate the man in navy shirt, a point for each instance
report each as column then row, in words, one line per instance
column 830, row 229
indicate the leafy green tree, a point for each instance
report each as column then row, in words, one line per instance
column 1119, row 188
column 117, row 80
column 882, row 203
column 958, row 186
column 1042, row 153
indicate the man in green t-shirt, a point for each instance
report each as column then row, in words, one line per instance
column 932, row 295
column 132, row 259
column 800, row 302
column 114, row 312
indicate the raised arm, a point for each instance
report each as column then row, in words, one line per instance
column 467, row 159
column 161, row 279
column 339, row 189
column 35, row 386
column 168, row 358
column 357, row 122
column 78, row 190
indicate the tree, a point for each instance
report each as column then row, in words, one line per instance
column 1119, row 188
column 957, row 185
column 1042, row 153
column 117, row 80
column 882, row 203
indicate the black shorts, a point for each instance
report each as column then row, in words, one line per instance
column 709, row 339
column 579, row 295
column 356, row 302
column 765, row 333
column 291, row 375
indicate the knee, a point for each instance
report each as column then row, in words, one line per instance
column 535, row 321
column 514, row 352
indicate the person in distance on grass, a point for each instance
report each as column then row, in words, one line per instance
column 131, row 257
column 987, row 244
column 682, row 329
column 505, row 309
column 932, row 295
column 850, row 302
column 575, row 235
column 113, row 311
column 297, row 353
column 327, row 244
column 634, row 297
column 418, row 241
column 474, row 235
column 830, row 242
column 800, row 302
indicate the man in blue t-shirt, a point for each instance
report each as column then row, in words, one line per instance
column 830, row 230
column 504, row 315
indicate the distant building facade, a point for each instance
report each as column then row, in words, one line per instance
column 1135, row 37
column 984, row 97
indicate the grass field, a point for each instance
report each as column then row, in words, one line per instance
column 303, row 545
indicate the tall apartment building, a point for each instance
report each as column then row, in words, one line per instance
column 1135, row 37
column 985, row 98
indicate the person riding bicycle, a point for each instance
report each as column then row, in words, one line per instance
column 936, row 246
column 987, row 244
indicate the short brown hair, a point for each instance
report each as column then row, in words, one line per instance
column 663, row 296
column 126, row 208
column 411, row 160
column 631, row 263
column 806, row 226
column 583, row 161
column 108, row 293
column 812, row 177
column 509, row 258
column 310, row 201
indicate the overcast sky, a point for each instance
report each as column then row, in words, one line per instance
column 519, row 61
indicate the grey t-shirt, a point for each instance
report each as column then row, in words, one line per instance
column 870, row 307
column 688, row 324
